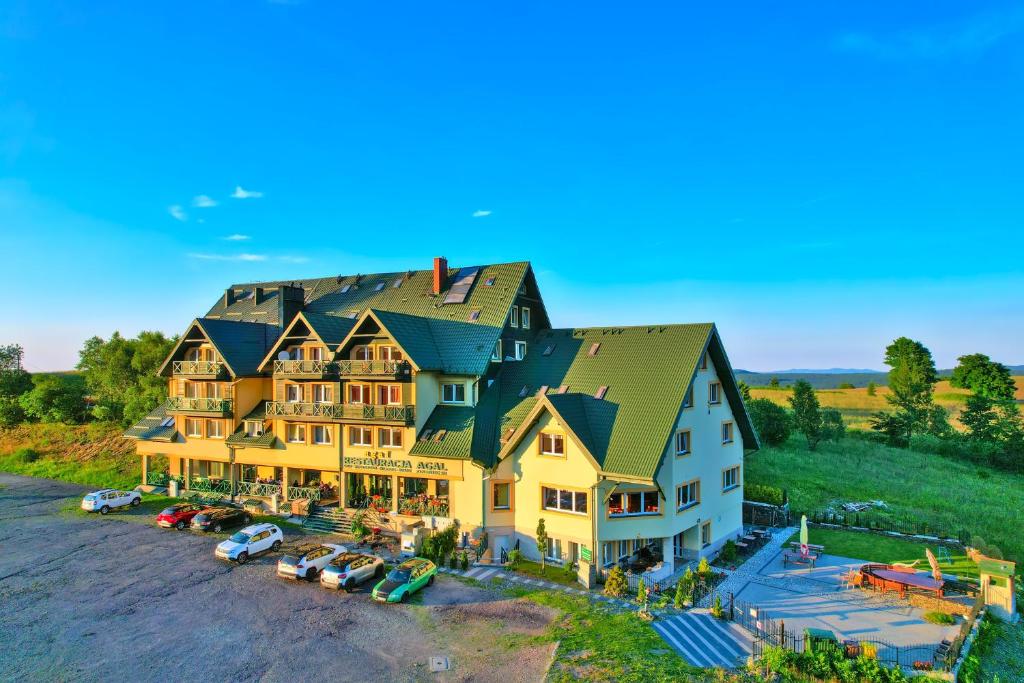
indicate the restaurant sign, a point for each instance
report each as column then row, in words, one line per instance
column 385, row 462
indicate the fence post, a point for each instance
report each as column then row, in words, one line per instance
column 782, row 633
column 732, row 606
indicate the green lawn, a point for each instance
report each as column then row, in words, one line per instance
column 553, row 573
column 941, row 491
column 886, row 550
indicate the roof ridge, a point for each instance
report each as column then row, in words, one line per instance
column 321, row 278
column 594, row 328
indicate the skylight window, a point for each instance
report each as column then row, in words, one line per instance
column 474, row 316
column 548, row 349
column 593, row 349
column 380, row 286
column 351, row 314
column 524, row 391
column 489, row 282
column 167, row 422
column 397, row 283
column 426, row 434
column 344, row 290
column 601, row 391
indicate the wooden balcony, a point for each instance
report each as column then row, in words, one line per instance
column 186, row 404
column 373, row 368
column 305, row 368
column 209, row 369
column 342, row 412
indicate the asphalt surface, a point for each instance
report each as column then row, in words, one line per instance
column 89, row 598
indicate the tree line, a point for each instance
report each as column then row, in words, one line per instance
column 993, row 426
column 115, row 382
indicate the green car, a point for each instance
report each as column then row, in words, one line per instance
column 404, row 580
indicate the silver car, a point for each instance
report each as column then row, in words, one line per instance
column 308, row 560
column 348, row 570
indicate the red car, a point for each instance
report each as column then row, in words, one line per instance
column 179, row 515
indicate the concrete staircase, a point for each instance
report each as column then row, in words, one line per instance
column 328, row 520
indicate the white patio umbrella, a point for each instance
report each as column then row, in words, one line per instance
column 804, row 550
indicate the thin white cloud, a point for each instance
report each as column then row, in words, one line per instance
column 228, row 257
column 237, row 238
column 481, row 214
column 177, row 212
column 240, row 193
column 203, row 201
column 969, row 37
column 293, row 259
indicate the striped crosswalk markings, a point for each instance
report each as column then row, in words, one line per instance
column 703, row 640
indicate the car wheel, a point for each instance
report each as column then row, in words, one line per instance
column 276, row 546
column 179, row 525
column 430, row 581
column 136, row 501
column 311, row 574
column 246, row 519
column 378, row 572
column 104, row 510
column 347, row 586
column 217, row 528
column 405, row 597
column 243, row 558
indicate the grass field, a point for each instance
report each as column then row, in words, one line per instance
column 857, row 406
column 886, row 550
column 940, row 491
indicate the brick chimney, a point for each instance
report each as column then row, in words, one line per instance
column 440, row 273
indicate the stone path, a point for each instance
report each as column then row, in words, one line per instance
column 749, row 570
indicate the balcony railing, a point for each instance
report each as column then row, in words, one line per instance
column 342, row 411
column 252, row 488
column 377, row 368
column 310, row 492
column 199, row 405
column 309, row 368
column 198, row 368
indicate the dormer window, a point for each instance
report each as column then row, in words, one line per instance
column 363, row 353
column 520, row 350
column 253, row 428
column 315, row 353
column 496, row 353
column 453, row 393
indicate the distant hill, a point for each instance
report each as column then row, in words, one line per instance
column 824, row 371
column 831, row 378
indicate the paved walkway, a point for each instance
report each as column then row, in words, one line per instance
column 750, row 570
column 703, row 640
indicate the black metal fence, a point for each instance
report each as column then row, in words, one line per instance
column 765, row 514
column 871, row 520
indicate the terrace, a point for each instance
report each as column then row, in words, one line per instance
column 342, row 411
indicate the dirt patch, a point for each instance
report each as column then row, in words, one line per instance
column 517, row 616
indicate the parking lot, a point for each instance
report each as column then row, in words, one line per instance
column 91, row 598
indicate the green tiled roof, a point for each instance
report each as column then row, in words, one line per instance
column 456, row 442
column 150, row 427
column 330, row 328
column 647, row 371
column 242, row 344
column 240, row 438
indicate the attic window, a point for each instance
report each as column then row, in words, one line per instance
column 344, row 290
column 397, row 283
column 548, row 349
column 593, row 349
column 564, row 388
column 440, row 434
column 489, row 282
column 380, row 286
column 601, row 392
column 524, row 391
column 474, row 316
column 543, row 390
column 426, row 434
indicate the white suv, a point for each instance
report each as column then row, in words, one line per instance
column 252, row 540
column 308, row 560
column 105, row 500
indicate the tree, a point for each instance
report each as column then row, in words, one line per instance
column 772, row 421
column 832, row 427
column 542, row 542
column 912, row 379
column 120, row 374
column 615, row 585
column 55, row 398
column 806, row 413
column 845, row 385
column 641, row 593
column 774, row 382
column 745, row 391
column 983, row 377
column 872, row 388
column 980, row 417
column 14, row 382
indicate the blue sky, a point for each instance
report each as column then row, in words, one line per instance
column 815, row 179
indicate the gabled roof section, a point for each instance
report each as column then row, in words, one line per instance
column 154, row 426
column 242, row 345
column 455, row 425
column 329, row 329
column 464, row 345
column 571, row 411
column 647, row 371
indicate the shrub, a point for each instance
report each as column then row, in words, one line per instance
column 568, row 571
column 25, row 455
column 846, row 385
column 359, row 529
column 772, row 421
column 11, row 413
column 453, row 561
column 763, row 493
column 465, row 561
column 641, row 593
column 940, row 618
column 515, row 558
column 729, row 551
column 716, row 608
column 703, row 568
column 615, row 585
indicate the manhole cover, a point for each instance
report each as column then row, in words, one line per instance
column 439, row 664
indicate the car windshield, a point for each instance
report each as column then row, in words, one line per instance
column 289, row 559
column 90, row 497
column 201, row 517
column 239, row 537
column 170, row 511
column 399, row 575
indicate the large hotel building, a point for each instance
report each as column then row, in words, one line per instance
column 446, row 393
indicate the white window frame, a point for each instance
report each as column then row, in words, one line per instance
column 715, row 393
column 197, row 422
column 623, row 495
column 219, row 429
column 496, row 352
column 388, row 389
column 553, row 552
column 454, row 399
column 694, row 499
column 554, row 436
column 727, row 426
column 295, row 432
column 288, row 389
column 253, row 428
column 520, row 350
column 325, row 391
column 524, row 317
column 391, row 433
column 364, row 389
column 513, row 319
column 574, row 495
column 689, row 442
column 353, row 430
column 316, row 353
column 325, row 431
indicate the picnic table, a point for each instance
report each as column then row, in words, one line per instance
column 797, row 558
column 811, row 546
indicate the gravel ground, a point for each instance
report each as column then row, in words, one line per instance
column 89, row 598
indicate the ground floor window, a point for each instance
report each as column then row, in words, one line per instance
column 705, row 534
column 554, row 551
column 501, row 495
